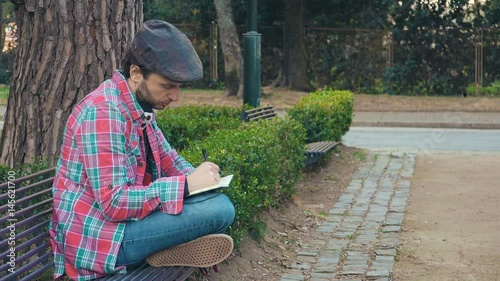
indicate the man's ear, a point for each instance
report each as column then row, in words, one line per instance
column 135, row 73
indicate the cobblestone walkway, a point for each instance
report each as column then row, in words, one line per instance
column 359, row 238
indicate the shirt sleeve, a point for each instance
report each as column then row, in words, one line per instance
column 102, row 142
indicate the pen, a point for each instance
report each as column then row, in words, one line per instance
column 205, row 154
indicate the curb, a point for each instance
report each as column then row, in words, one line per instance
column 478, row 126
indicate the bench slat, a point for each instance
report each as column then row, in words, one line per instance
column 320, row 147
column 27, row 244
column 46, row 172
column 147, row 273
column 21, row 270
column 44, row 205
column 38, row 272
column 262, row 116
column 22, row 190
column 21, row 224
column 25, row 200
column 19, row 236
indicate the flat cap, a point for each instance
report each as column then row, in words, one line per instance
column 164, row 49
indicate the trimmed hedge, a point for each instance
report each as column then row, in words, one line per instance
column 326, row 114
column 26, row 169
column 183, row 125
column 266, row 158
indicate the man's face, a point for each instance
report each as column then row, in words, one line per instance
column 158, row 91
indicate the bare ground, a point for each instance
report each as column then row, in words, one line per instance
column 282, row 98
column 451, row 230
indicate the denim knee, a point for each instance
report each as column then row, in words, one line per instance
column 226, row 211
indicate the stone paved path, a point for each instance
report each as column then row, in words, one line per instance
column 359, row 238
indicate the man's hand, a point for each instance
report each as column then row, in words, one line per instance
column 205, row 175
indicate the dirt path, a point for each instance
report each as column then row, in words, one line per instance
column 452, row 224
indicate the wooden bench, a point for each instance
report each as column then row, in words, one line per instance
column 25, row 251
column 314, row 150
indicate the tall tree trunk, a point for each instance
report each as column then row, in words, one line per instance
column 233, row 62
column 293, row 73
column 2, row 29
column 66, row 48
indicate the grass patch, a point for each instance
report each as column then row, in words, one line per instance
column 360, row 155
column 4, row 94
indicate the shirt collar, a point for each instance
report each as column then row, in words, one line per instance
column 127, row 96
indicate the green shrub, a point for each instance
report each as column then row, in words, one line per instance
column 325, row 114
column 265, row 157
column 39, row 164
column 190, row 123
column 492, row 90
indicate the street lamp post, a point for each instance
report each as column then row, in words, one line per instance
column 251, row 58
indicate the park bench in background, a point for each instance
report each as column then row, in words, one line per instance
column 314, row 150
column 30, row 215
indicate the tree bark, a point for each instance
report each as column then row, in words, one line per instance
column 231, row 50
column 293, row 73
column 66, row 48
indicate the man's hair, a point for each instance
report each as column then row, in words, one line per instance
column 128, row 61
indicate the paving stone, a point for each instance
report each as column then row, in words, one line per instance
column 349, row 271
column 337, row 244
column 353, row 221
column 381, row 266
column 319, row 279
column 391, row 228
column 300, row 266
column 386, row 244
column 315, row 243
column 334, row 218
column 384, row 258
column 394, row 219
column 397, row 209
column 325, row 269
column 306, row 259
column 377, row 274
column 330, row 253
column 386, row 252
column 366, row 239
column 307, row 254
column 322, row 261
column 338, row 211
column 292, row 277
column 320, row 275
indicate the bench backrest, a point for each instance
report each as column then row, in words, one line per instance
column 258, row 113
column 26, row 206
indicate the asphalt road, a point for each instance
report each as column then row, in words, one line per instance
column 423, row 139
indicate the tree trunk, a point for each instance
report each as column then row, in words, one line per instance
column 293, row 73
column 2, row 29
column 66, row 48
column 233, row 62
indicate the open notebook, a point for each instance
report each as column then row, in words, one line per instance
column 223, row 183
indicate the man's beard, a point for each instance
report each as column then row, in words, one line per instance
column 143, row 95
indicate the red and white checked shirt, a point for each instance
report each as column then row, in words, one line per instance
column 100, row 183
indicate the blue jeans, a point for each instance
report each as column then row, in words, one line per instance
column 203, row 214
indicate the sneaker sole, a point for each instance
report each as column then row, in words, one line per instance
column 202, row 252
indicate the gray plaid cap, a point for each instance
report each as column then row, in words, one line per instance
column 164, row 49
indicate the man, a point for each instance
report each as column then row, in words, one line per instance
column 121, row 193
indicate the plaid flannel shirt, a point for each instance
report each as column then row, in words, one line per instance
column 99, row 182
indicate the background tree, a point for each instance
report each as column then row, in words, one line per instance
column 432, row 39
column 230, row 43
column 293, row 72
column 66, row 48
column 7, row 55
